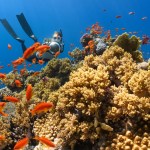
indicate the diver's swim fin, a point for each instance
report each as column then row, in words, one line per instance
column 10, row 30
column 25, row 26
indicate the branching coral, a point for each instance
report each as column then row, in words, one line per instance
column 80, row 102
column 120, row 65
column 140, row 83
column 130, row 141
column 125, row 104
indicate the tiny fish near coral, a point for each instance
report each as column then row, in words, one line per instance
column 45, row 141
column 11, row 99
column 2, row 137
column 29, row 92
column 2, row 105
column 18, row 83
column 21, row 144
column 41, row 107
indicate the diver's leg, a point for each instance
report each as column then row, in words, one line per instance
column 10, row 30
column 12, row 33
column 25, row 26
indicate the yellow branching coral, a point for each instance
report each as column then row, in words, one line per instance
column 125, row 104
column 140, row 83
column 120, row 64
column 130, row 141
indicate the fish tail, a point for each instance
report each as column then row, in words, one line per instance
column 32, row 112
column 3, row 114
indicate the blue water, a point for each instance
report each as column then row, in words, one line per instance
column 73, row 17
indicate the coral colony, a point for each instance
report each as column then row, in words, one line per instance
column 100, row 99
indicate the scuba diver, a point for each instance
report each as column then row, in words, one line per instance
column 56, row 43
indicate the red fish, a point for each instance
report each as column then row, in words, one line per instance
column 118, row 17
column 108, row 35
column 11, row 99
column 2, row 137
column 145, row 39
column 1, row 67
column 56, row 54
column 40, row 61
column 9, row 46
column 42, row 49
column 21, row 143
column 123, row 28
column 17, row 62
column 29, row 92
column 2, row 76
column 45, row 141
column 34, row 61
column 41, row 107
column 18, row 83
column 2, row 105
column 31, row 50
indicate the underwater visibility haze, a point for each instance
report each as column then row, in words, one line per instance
column 75, row 74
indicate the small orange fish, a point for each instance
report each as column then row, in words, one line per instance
column 108, row 35
column 42, row 49
column 17, row 62
column 11, row 99
column 45, row 141
column 9, row 46
column 18, row 83
column 41, row 62
column 22, row 71
column 118, row 17
column 41, row 107
column 21, row 143
column 56, row 54
column 29, row 92
column 2, row 76
column 34, row 60
column 123, row 28
column 1, row 67
column 31, row 50
column 2, row 105
column 35, row 73
column 2, row 138
column 36, row 44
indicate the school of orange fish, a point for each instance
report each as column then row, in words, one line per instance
column 42, row 107
column 39, row 108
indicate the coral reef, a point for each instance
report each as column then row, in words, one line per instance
column 91, row 105
column 140, row 83
column 102, row 104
